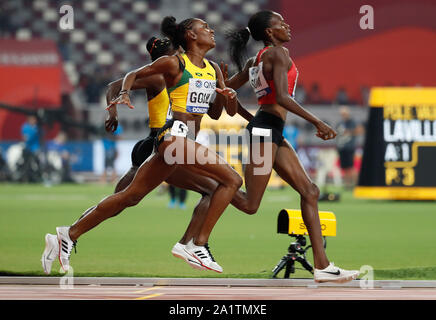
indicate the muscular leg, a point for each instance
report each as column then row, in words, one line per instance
column 290, row 169
column 149, row 175
column 126, row 179
column 247, row 202
column 228, row 183
column 184, row 178
column 197, row 219
column 181, row 178
column 122, row 184
column 255, row 184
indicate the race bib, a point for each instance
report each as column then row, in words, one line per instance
column 200, row 94
column 261, row 132
column 258, row 81
column 179, row 129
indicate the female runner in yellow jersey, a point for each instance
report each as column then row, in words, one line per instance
column 158, row 103
column 158, row 106
column 196, row 38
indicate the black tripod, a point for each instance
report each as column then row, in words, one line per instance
column 296, row 252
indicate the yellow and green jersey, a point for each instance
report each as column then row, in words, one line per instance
column 158, row 108
column 195, row 90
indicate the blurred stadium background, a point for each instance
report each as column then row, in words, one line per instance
column 60, row 76
column 65, row 72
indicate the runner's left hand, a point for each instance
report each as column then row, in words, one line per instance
column 228, row 92
column 111, row 122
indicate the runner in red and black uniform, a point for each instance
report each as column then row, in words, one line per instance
column 273, row 76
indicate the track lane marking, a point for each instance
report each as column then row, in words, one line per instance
column 149, row 296
column 147, row 289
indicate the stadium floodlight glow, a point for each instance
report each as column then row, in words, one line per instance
column 290, row 222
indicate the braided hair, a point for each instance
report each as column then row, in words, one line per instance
column 176, row 31
column 157, row 47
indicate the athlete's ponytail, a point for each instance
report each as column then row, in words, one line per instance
column 238, row 46
column 239, row 39
column 176, row 31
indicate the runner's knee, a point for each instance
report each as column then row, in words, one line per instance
column 310, row 192
column 251, row 208
column 244, row 203
column 235, row 181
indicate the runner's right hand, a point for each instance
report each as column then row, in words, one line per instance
column 324, row 131
column 225, row 71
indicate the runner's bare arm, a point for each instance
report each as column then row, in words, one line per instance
column 244, row 113
column 240, row 78
column 167, row 66
column 226, row 95
column 114, row 87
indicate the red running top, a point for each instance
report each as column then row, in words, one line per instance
column 270, row 97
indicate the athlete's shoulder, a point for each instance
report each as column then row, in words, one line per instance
column 167, row 60
column 277, row 56
column 277, row 52
column 167, row 64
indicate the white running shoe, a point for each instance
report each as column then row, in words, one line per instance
column 179, row 252
column 203, row 256
column 66, row 245
column 50, row 253
column 334, row 274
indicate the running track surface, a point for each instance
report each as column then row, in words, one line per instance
column 111, row 292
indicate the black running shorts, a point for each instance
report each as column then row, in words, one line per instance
column 143, row 149
column 266, row 127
